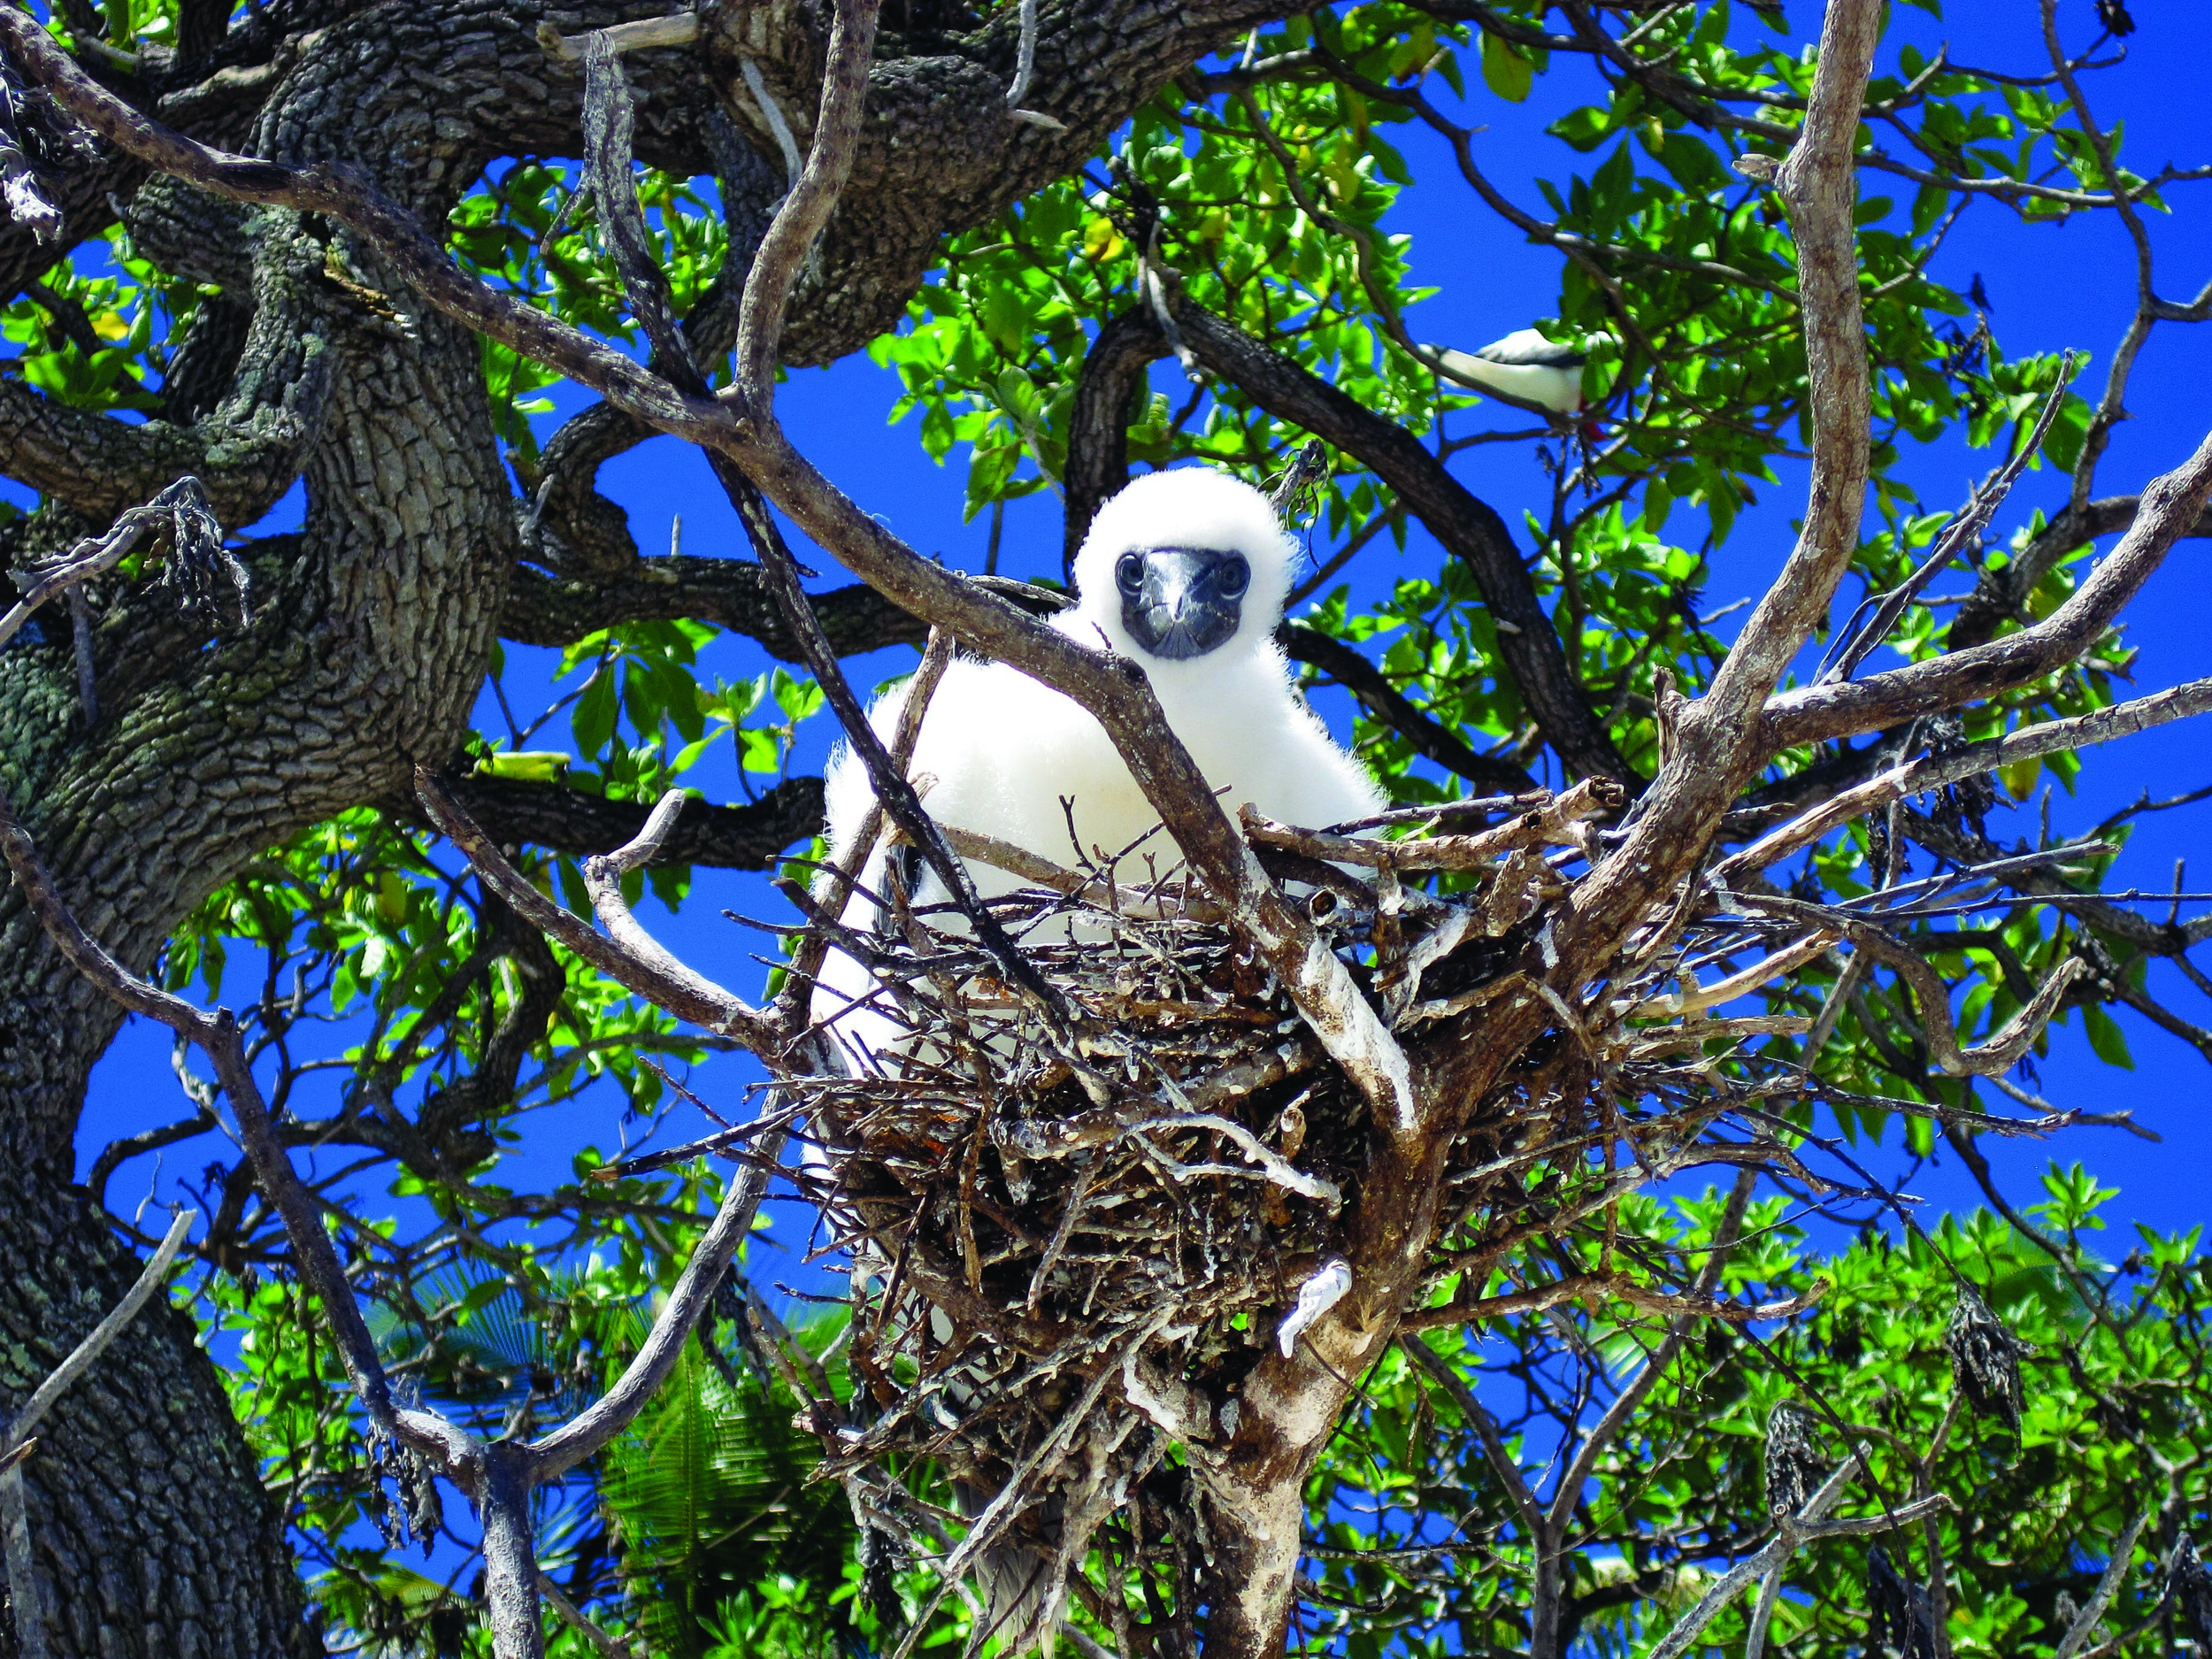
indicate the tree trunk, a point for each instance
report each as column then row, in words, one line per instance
column 1257, row 1535
column 365, row 654
column 371, row 627
column 150, row 1529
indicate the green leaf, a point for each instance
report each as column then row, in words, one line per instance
column 2068, row 431
column 799, row 699
column 1584, row 128
column 526, row 765
column 2106, row 1039
column 592, row 721
column 1504, row 71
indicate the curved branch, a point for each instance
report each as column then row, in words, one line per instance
column 799, row 221
column 588, row 532
column 2172, row 507
column 2000, row 592
column 513, row 814
column 567, row 524
column 246, row 458
column 245, row 391
column 544, row 609
column 1429, row 736
column 553, row 1454
column 938, row 150
column 1990, row 1058
column 1098, row 427
column 685, row 996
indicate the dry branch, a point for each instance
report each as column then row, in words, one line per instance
column 2171, row 508
column 654, row 974
column 1933, row 771
column 1549, row 824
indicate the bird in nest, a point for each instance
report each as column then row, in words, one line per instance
column 1525, row 368
column 1185, row 572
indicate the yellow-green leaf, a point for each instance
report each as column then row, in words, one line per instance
column 1102, row 241
column 526, row 765
column 391, row 897
column 1504, row 71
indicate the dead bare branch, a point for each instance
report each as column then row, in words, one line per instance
column 654, row 975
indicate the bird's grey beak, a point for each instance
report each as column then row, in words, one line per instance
column 1179, row 602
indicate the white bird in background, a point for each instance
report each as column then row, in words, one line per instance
column 1184, row 571
column 1527, row 367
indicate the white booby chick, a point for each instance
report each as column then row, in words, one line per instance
column 1186, row 573
column 1524, row 366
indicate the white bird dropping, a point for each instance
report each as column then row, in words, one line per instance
column 1327, row 1288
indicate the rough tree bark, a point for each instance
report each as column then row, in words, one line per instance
column 373, row 625
column 377, row 617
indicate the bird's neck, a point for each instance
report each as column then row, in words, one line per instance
column 1211, row 700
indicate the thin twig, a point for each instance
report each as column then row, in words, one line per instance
column 574, row 1617
column 2085, row 1626
column 687, row 994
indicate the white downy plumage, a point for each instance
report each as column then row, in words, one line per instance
column 1177, row 557
column 1523, row 366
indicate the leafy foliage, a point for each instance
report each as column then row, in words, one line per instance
column 1264, row 183
column 712, row 1503
column 2115, row 1426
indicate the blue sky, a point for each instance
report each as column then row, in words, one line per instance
column 2050, row 288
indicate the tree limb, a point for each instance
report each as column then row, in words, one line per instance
column 1389, row 706
column 1951, row 765
column 216, row 1036
column 246, row 458
column 557, row 610
column 513, row 814
column 2003, row 1048
column 2172, row 507
column 687, row 996
column 1721, row 743
column 543, row 610
column 1098, row 426
column 2003, row 589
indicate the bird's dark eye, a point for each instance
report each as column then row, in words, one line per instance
column 1129, row 574
column 1236, row 576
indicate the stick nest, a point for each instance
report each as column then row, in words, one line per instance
column 1074, row 1231
column 1064, row 1243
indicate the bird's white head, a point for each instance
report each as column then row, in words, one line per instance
column 1184, row 567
